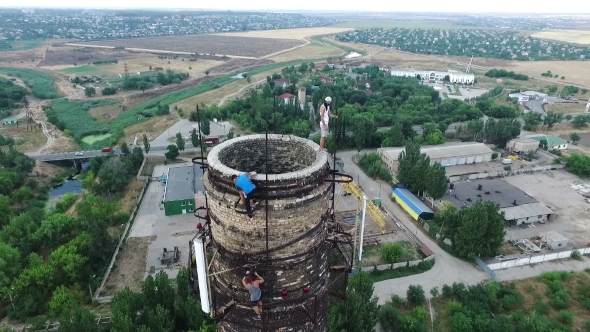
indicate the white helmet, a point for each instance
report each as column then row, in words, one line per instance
column 328, row 99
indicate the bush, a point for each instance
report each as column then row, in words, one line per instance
column 420, row 313
column 507, row 168
column 453, row 307
column 415, row 295
column 566, row 317
column 494, row 155
column 391, row 252
column 372, row 165
column 434, row 292
column 560, row 300
column 576, row 255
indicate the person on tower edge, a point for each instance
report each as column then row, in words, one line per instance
column 325, row 115
column 247, row 189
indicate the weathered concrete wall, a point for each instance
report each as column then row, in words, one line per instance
column 298, row 197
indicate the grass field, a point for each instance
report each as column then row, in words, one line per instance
column 569, row 108
column 575, row 72
column 314, row 50
column 40, row 83
column 95, row 138
column 581, row 37
column 23, row 45
column 81, row 69
column 404, row 23
column 288, row 33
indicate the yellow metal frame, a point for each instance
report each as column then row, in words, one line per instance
column 372, row 209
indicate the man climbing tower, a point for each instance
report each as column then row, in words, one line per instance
column 253, row 286
column 325, row 115
column 247, row 189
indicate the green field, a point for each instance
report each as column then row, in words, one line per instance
column 22, row 45
column 81, row 69
column 95, row 138
column 41, row 84
column 406, row 24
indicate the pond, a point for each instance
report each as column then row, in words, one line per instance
column 71, row 186
column 95, row 138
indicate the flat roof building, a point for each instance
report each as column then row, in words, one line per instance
column 518, row 207
column 183, row 184
column 523, row 145
column 450, row 154
column 434, row 76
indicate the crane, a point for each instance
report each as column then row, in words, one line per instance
column 372, row 209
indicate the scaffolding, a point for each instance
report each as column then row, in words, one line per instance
column 372, row 209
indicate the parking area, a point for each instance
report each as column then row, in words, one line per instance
column 554, row 189
column 164, row 231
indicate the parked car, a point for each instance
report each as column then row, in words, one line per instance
column 106, row 150
column 79, row 154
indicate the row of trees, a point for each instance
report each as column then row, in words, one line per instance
column 10, row 95
column 416, row 171
column 501, row 73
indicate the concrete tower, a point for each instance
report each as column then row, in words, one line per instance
column 302, row 96
column 287, row 242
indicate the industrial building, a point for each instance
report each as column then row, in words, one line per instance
column 553, row 142
column 450, row 154
column 411, row 204
column 517, row 206
column 528, row 95
column 522, row 145
column 434, row 76
column 554, row 240
column 183, row 184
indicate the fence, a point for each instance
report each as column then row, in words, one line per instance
column 535, row 259
column 502, row 173
column 397, row 265
column 485, row 268
column 122, row 237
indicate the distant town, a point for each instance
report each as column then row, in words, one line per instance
column 30, row 24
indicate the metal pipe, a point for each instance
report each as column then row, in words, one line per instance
column 266, row 192
column 362, row 228
column 202, row 152
column 274, row 114
column 334, row 166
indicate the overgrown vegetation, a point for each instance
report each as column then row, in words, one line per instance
column 11, row 95
column 372, row 165
column 578, row 164
column 40, row 84
column 501, row 73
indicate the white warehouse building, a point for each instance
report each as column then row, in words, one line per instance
column 450, row 154
column 433, row 76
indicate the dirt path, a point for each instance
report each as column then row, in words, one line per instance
column 240, row 92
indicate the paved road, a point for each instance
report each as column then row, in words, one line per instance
column 154, row 150
column 446, row 270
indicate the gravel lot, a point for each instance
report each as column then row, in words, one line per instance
column 571, row 212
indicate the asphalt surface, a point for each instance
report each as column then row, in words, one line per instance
column 154, row 150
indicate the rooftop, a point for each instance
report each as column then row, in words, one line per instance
column 551, row 139
column 525, row 211
column 499, row 191
column 286, row 96
column 524, row 140
column 455, row 149
column 183, row 183
column 553, row 235
column 217, row 128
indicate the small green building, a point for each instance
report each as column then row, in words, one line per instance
column 182, row 185
column 9, row 121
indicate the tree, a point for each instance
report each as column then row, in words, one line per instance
column 125, row 149
column 146, row 144
column 113, row 177
column 172, row 152
column 406, row 163
column 581, row 121
column 551, row 118
column 436, row 182
column 5, row 212
column 142, row 85
column 207, row 73
column 358, row 313
column 415, row 295
column 501, row 131
column 395, row 136
column 575, row 138
column 10, row 267
column 568, row 117
column 364, row 127
column 62, row 302
column 301, row 128
column 55, row 230
column 481, row 231
column 195, row 138
column 532, row 120
column 578, row 164
column 205, row 126
column 180, row 142
column 391, row 252
column 80, row 320
column 89, row 91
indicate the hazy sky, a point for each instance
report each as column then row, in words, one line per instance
column 506, row 6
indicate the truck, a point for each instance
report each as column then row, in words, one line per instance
column 507, row 161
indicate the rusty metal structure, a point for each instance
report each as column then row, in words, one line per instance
column 293, row 241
